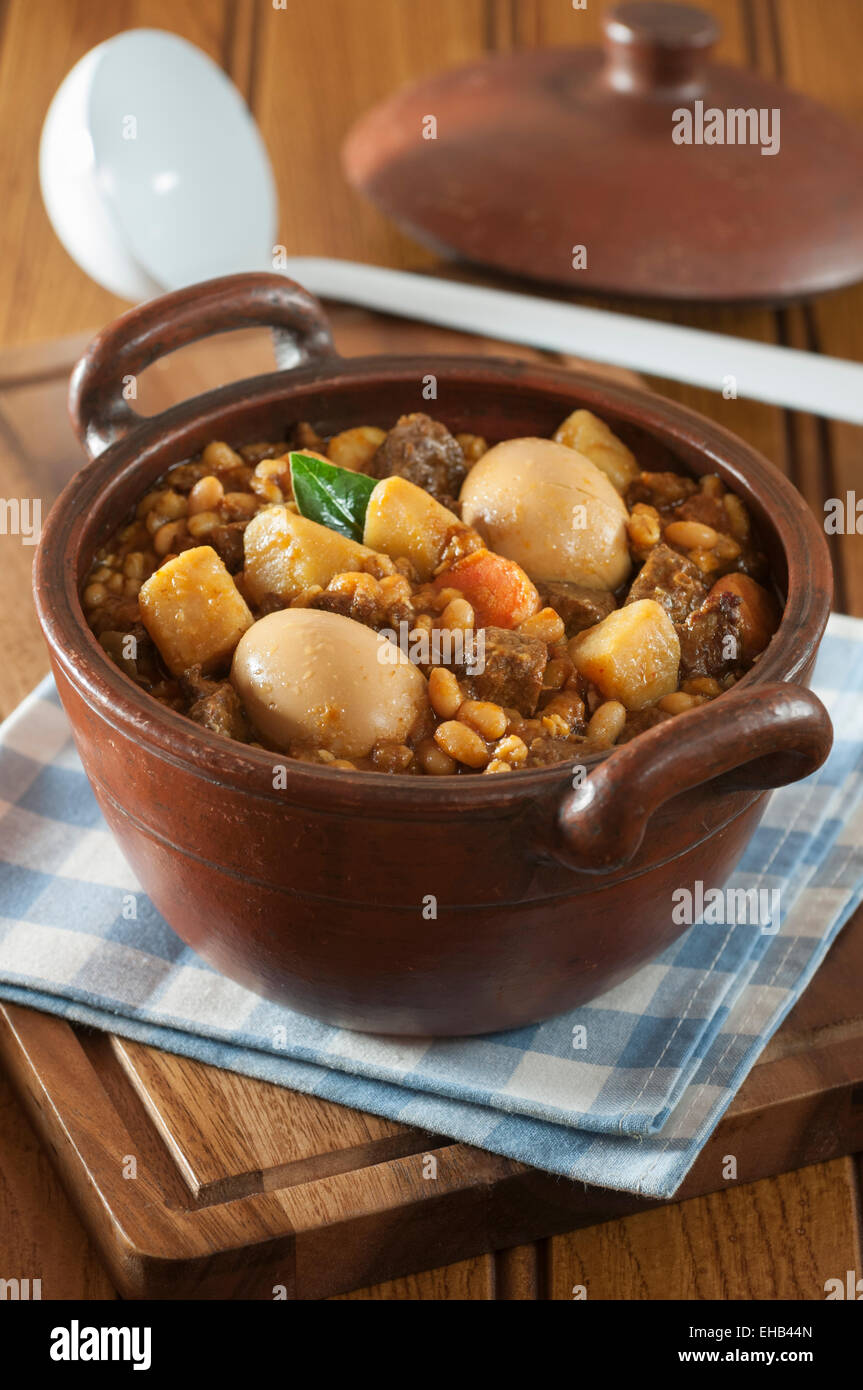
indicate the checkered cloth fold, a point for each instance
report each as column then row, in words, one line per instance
column 623, row 1092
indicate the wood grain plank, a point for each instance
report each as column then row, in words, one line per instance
column 857, row 1210
column 814, row 471
column 536, row 23
column 317, row 1238
column 762, row 426
column 266, row 1138
column 781, row 1238
column 304, row 120
column 40, row 1235
column 519, row 1273
column 240, row 46
column 44, row 293
column 806, row 57
column 20, row 631
column 29, row 363
column 468, row 1280
column 810, row 51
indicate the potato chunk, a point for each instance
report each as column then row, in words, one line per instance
column 632, row 655
column 355, row 449
column 584, row 431
column 286, row 553
column 404, row 520
column 193, row 611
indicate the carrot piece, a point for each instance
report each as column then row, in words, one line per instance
column 497, row 589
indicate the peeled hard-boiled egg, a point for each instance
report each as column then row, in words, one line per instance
column 321, row 680
column 550, row 509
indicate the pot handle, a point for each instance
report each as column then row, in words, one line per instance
column 774, row 734
column 98, row 407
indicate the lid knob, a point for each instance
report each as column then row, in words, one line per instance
column 655, row 47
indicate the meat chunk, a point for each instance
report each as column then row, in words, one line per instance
column 227, row 541
column 133, row 652
column 672, row 581
column 306, row 438
column 512, row 671
column 216, row 705
column 711, row 639
column 423, row 451
column 578, row 606
column 660, row 490
column 359, row 601
column 545, row 750
column 253, row 454
column 640, row 720
column 116, row 614
column 707, row 510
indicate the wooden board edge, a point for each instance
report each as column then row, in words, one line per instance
column 139, row 1240
column 491, row 1203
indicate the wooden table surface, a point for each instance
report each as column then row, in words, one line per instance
column 307, row 72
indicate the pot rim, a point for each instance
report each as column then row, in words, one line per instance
column 175, row 739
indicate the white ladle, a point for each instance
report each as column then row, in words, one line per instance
column 152, row 169
column 777, row 375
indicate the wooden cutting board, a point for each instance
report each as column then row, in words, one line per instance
column 199, row 1183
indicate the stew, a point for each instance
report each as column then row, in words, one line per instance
column 416, row 602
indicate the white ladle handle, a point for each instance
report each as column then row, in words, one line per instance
column 779, row 376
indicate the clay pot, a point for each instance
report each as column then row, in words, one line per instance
column 400, row 904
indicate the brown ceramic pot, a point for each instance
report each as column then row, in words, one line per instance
column 318, row 895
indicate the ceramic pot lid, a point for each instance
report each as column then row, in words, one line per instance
column 517, row 161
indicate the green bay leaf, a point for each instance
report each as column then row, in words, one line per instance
column 334, row 497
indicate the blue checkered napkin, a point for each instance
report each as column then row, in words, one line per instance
column 665, row 1052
